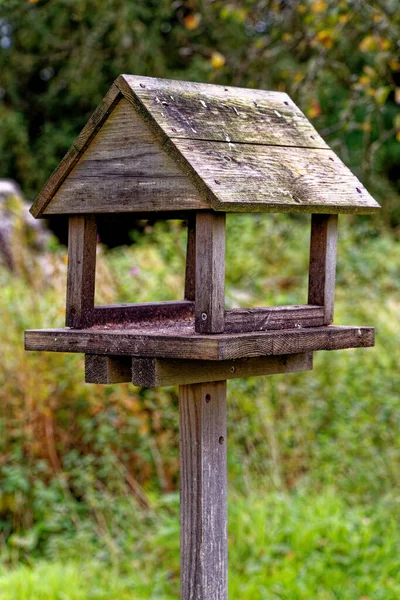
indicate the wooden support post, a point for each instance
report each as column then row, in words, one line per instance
column 107, row 369
column 204, row 537
column 190, row 278
column 210, row 272
column 82, row 238
column 321, row 284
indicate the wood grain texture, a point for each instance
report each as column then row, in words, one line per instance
column 187, row 110
column 256, row 178
column 237, row 320
column 210, row 272
column 125, row 169
column 82, row 240
column 190, row 273
column 322, row 272
column 175, row 342
column 145, row 312
column 107, row 369
column 71, row 158
column 159, row 372
column 241, row 320
column 203, row 485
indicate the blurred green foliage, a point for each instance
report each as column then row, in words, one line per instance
column 339, row 60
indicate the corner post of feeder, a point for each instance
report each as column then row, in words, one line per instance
column 322, row 273
column 210, row 272
column 82, row 239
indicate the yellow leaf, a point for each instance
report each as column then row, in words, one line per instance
column 192, row 21
column 319, row 6
column 343, row 18
column 302, row 9
column 384, row 44
column 364, row 80
column 366, row 127
column 325, row 38
column 381, row 94
column 398, row 136
column 314, row 110
column 394, row 65
column 286, row 37
column 217, row 60
column 397, row 95
column 370, row 92
column 298, row 77
column 368, row 44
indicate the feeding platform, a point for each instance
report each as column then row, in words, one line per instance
column 196, row 152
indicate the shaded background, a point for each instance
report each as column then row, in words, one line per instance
column 314, row 459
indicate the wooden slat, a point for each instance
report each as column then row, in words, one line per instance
column 184, row 343
column 125, row 169
column 144, row 312
column 82, row 239
column 203, row 468
column 237, row 320
column 159, row 372
column 241, row 320
column 107, row 369
column 190, row 274
column 210, row 272
column 255, row 178
column 322, row 274
column 73, row 154
column 187, row 110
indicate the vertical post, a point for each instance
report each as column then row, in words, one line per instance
column 190, row 278
column 322, row 275
column 82, row 238
column 203, row 491
column 210, row 272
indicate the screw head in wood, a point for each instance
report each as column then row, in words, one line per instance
column 221, row 440
column 208, row 398
column 232, row 369
column 204, row 316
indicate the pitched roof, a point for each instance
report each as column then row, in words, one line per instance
column 244, row 150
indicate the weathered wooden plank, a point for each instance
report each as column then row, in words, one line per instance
column 82, row 240
column 322, row 273
column 159, row 372
column 237, row 320
column 199, row 111
column 107, row 369
column 125, row 169
column 190, row 274
column 240, row 320
column 255, row 178
column 73, row 154
column 173, row 342
column 161, row 312
column 210, row 272
column 203, row 485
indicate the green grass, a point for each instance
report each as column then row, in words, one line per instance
column 281, row 547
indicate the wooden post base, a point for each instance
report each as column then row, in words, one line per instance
column 204, row 538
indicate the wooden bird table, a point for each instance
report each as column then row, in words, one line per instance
column 174, row 149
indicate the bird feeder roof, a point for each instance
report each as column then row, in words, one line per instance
column 164, row 145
